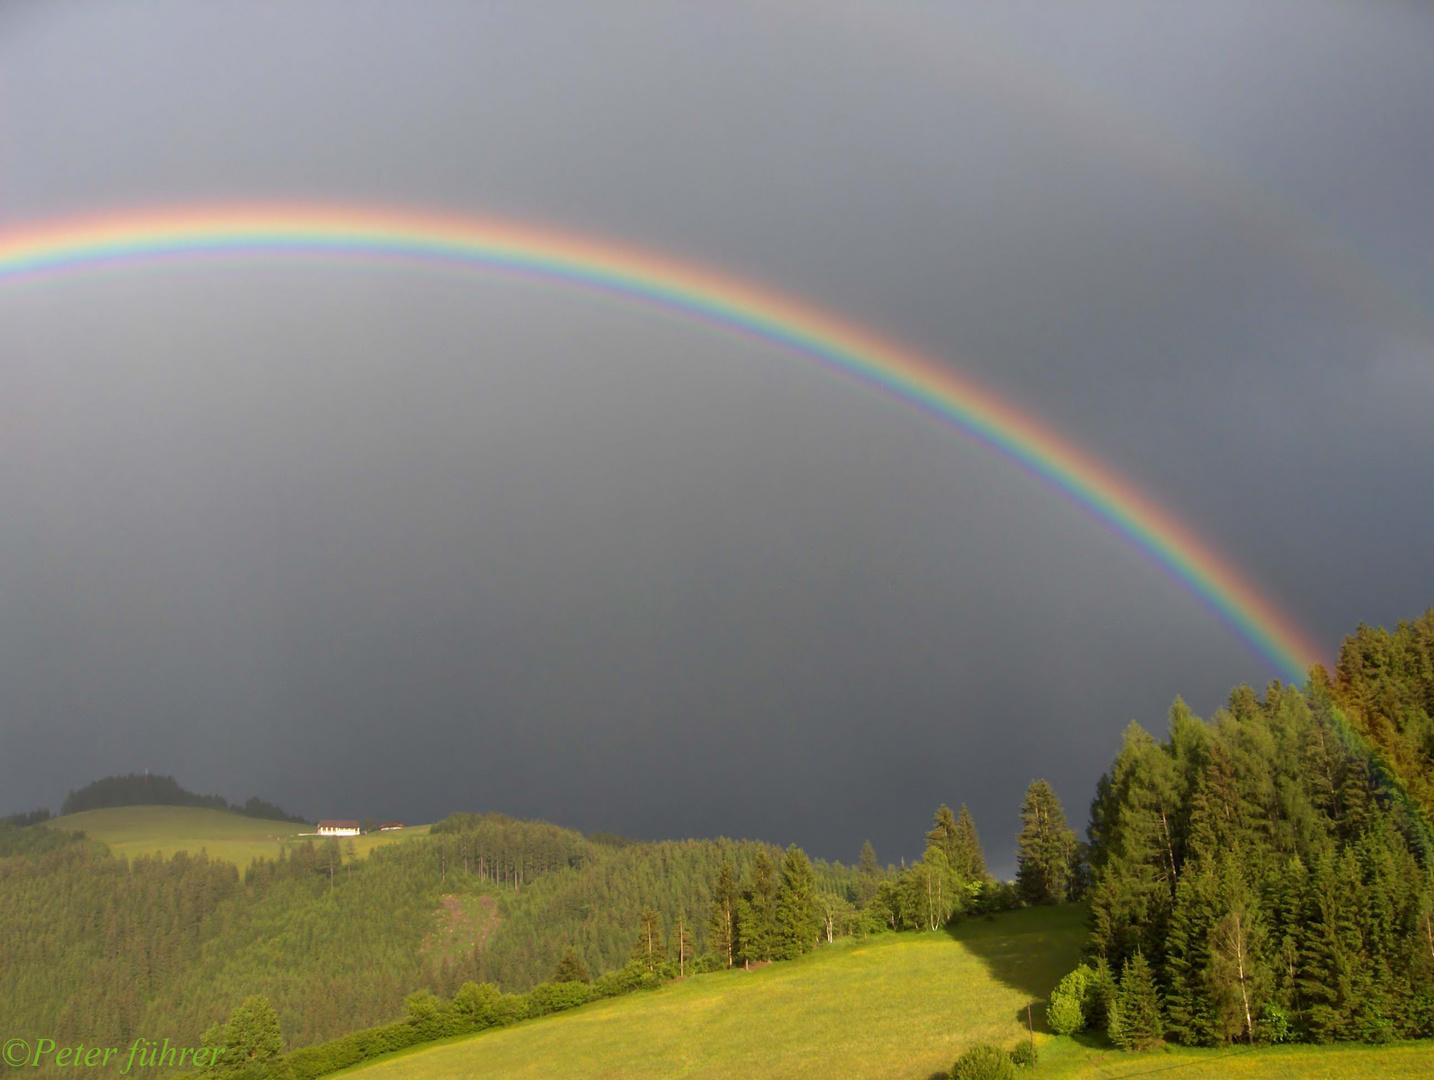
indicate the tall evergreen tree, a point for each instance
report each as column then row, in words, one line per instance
column 722, row 922
column 571, row 968
column 968, row 859
column 868, row 875
column 796, row 914
column 943, row 833
column 648, row 949
column 1045, row 848
column 757, row 911
column 249, row 1042
column 682, row 942
column 1135, row 1021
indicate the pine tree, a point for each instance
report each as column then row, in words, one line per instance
column 1332, row 958
column 969, row 860
column 1045, row 848
column 571, row 968
column 722, row 922
column 1187, row 958
column 943, row 832
column 796, row 916
column 867, row 866
column 757, row 911
column 1135, row 1021
column 868, row 875
column 648, row 950
column 250, row 1041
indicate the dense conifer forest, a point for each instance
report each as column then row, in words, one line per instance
column 1261, row 877
column 1270, row 868
column 142, row 789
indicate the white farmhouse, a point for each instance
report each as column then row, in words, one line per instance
column 338, row 828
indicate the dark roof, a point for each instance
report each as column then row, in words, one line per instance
column 339, row 824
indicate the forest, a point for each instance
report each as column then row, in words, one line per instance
column 142, row 789
column 1260, row 877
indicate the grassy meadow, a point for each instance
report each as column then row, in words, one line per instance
column 164, row 830
column 898, row 1006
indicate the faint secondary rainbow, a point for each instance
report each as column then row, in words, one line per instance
column 738, row 305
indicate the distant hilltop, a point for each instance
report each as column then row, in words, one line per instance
column 142, row 789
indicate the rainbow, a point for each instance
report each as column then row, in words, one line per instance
column 739, row 306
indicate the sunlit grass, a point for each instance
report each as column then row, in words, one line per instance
column 898, row 1006
column 163, row 830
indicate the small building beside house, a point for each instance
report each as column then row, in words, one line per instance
column 390, row 826
column 338, row 828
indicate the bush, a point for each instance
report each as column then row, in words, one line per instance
column 556, row 996
column 1024, row 1055
column 309, row 1062
column 707, row 962
column 477, row 1004
column 994, row 896
column 1066, row 1014
column 622, row 981
column 984, row 1062
column 1274, row 1025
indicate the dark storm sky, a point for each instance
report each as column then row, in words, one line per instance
column 376, row 541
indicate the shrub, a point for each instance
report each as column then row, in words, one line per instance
column 993, row 896
column 428, row 1013
column 1274, row 1024
column 984, row 1062
column 1024, row 1055
column 556, row 996
column 477, row 1003
column 707, row 962
column 1066, row 1014
column 622, row 981
column 313, row 1061
column 510, row 1009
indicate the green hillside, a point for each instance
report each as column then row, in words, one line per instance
column 892, row 1005
column 165, row 830
column 897, row 1005
column 107, row 947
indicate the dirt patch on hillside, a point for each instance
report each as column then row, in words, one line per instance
column 462, row 924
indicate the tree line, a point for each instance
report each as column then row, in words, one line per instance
column 1264, row 876
column 142, row 789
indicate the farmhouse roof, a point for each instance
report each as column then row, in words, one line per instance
column 339, row 824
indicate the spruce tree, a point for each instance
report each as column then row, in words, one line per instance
column 868, row 875
column 682, row 943
column 722, row 922
column 1045, row 848
column 757, row 911
column 943, row 832
column 571, row 968
column 250, row 1040
column 648, row 950
column 796, row 914
column 1187, row 958
column 968, row 860
column 1135, row 1021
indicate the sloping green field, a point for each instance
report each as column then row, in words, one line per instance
column 164, row 830
column 899, row 1006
